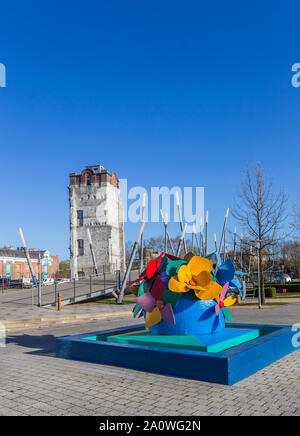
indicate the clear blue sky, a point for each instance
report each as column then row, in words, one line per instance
column 163, row 92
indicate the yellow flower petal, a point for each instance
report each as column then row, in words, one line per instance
column 209, row 292
column 153, row 317
column 229, row 301
column 176, row 286
column 184, row 274
column 198, row 264
column 203, row 278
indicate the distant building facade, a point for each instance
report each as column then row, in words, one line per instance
column 95, row 203
column 13, row 263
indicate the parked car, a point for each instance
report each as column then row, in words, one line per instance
column 4, row 281
column 27, row 283
column 62, row 280
column 47, row 282
column 283, row 278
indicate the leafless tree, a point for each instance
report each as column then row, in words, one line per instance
column 260, row 211
column 296, row 218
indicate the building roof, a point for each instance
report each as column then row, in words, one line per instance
column 19, row 253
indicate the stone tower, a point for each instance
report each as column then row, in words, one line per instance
column 95, row 202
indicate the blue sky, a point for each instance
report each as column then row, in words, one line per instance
column 163, row 92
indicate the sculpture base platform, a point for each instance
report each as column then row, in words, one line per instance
column 213, row 343
column 226, row 367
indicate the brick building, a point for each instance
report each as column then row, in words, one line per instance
column 95, row 203
column 13, row 263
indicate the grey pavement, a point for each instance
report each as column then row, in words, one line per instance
column 34, row 382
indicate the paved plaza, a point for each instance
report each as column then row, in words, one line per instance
column 34, row 382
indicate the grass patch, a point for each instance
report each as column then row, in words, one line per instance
column 288, row 295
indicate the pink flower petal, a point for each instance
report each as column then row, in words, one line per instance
column 147, row 302
column 224, row 291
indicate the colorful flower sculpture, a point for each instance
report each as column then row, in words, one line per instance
column 168, row 279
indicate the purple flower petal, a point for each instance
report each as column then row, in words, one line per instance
column 167, row 313
column 147, row 302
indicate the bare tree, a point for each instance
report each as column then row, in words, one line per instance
column 261, row 212
column 296, row 218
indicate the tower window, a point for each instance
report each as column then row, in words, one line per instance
column 88, row 179
column 80, row 247
column 80, row 217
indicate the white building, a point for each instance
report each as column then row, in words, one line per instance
column 95, row 202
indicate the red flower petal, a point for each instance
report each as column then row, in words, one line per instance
column 158, row 288
column 151, row 268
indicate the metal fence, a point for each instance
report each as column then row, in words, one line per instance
column 73, row 291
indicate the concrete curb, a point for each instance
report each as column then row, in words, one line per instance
column 18, row 325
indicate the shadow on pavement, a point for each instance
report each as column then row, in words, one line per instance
column 40, row 345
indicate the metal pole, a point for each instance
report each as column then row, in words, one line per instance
column 27, row 256
column 180, row 218
column 133, row 253
column 92, row 250
column 142, row 236
column 224, row 229
column 40, row 282
column 234, row 244
column 258, row 274
column 171, row 243
column 193, row 236
column 249, row 267
column 197, row 242
column 55, row 293
column 74, row 284
column 118, row 280
column 241, row 250
column 224, row 251
column 164, row 219
column 201, row 236
column 206, row 233
column 181, row 240
column 90, row 285
column 215, row 239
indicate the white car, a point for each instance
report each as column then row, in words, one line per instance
column 59, row 281
column 47, row 282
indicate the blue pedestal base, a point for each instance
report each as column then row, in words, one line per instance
column 226, row 367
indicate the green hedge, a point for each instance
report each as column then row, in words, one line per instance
column 269, row 292
column 290, row 287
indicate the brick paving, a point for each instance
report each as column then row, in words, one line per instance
column 34, row 382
